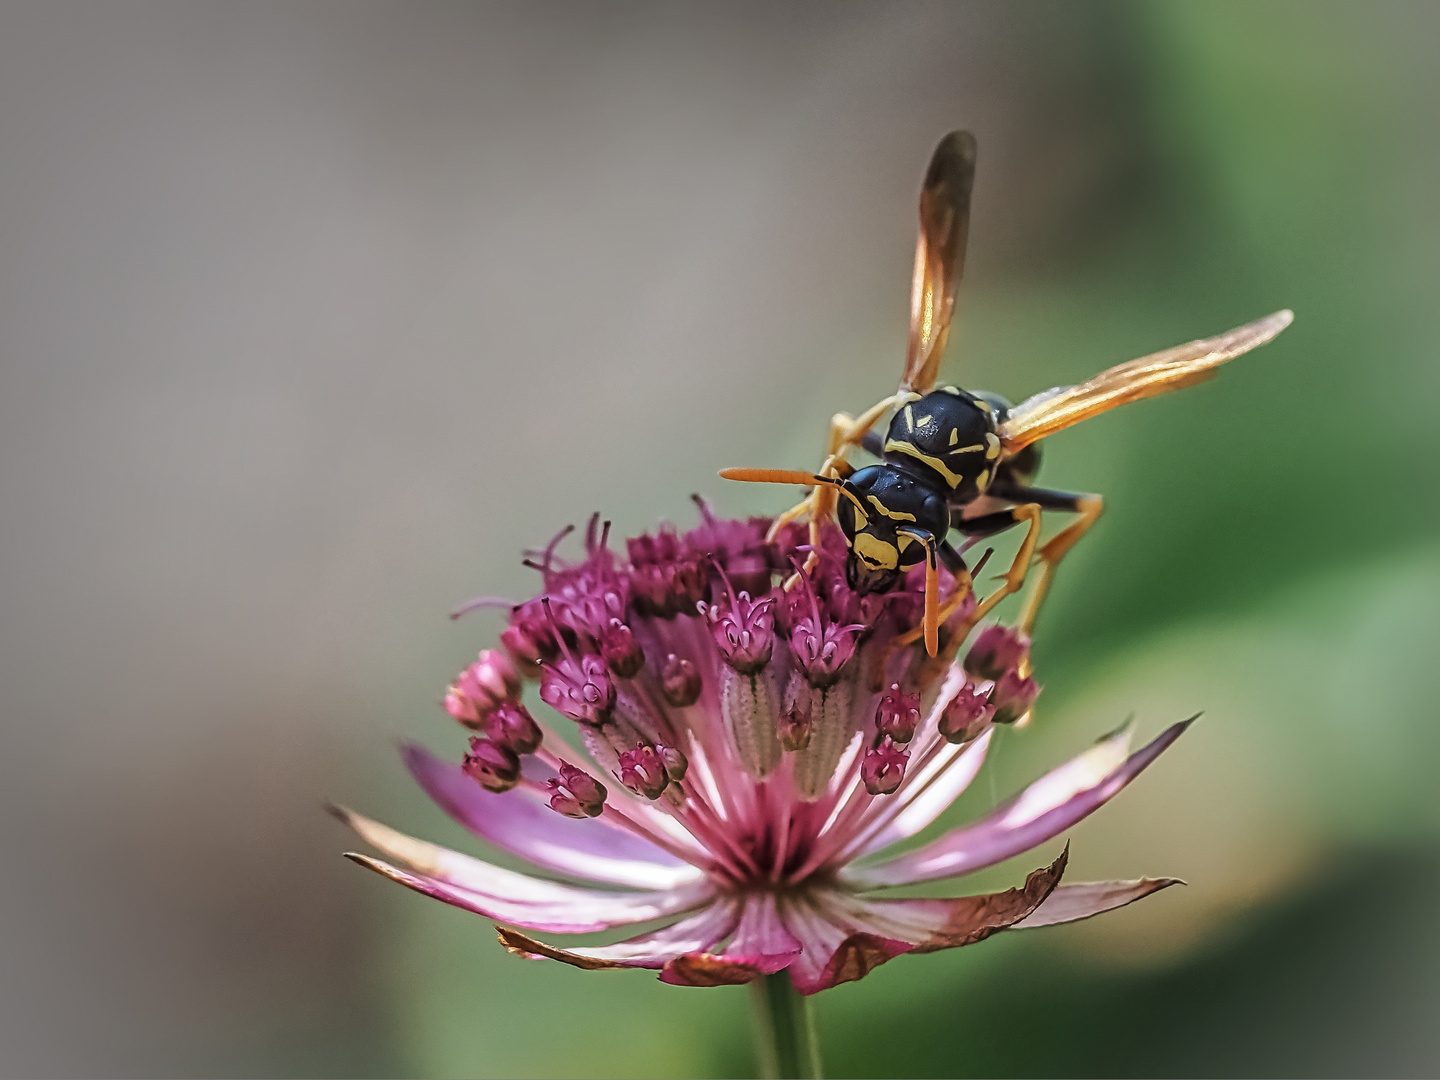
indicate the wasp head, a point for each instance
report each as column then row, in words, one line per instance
column 883, row 514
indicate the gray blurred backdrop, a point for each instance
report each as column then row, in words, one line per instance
column 312, row 316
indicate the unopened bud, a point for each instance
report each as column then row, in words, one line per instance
column 1013, row 696
column 492, row 766
column 620, row 649
column 642, row 771
column 576, row 794
column 997, row 650
column 884, row 767
column 496, row 674
column 967, row 714
column 462, row 707
column 674, row 762
column 680, row 682
column 898, row 714
column 512, row 725
column 523, row 648
column 795, row 727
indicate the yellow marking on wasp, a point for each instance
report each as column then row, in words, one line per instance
column 951, row 478
column 982, row 479
column 981, row 403
column 992, row 446
column 876, row 552
column 968, row 449
column 951, row 390
column 924, row 420
column 909, row 419
column 893, row 515
column 905, row 540
column 954, row 436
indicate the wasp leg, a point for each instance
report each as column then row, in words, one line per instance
column 1087, row 505
column 872, row 442
column 1014, row 578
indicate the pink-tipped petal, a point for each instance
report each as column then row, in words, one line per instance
column 1071, row 902
column 579, row 912
column 761, row 939
column 520, row 823
column 1046, row 808
column 931, row 925
column 649, row 950
column 510, row 897
column 831, row 953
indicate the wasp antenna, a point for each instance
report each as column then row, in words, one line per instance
column 777, row 476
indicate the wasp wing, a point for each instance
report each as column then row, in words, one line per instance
column 1184, row 365
column 939, row 257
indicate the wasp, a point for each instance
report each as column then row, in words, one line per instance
column 965, row 461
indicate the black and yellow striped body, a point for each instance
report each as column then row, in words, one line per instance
column 946, row 439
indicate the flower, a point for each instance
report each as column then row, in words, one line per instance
column 768, row 748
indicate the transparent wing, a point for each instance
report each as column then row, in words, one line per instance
column 939, row 256
column 1184, row 365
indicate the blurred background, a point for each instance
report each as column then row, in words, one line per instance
column 313, row 316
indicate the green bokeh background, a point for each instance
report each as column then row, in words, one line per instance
column 428, row 282
column 1267, row 555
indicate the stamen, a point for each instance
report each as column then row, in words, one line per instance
column 679, row 682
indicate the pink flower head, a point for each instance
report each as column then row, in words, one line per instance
column 492, row 766
column 997, row 649
column 821, row 648
column 898, row 714
column 967, row 715
column 679, row 682
column 1012, row 697
column 579, row 688
column 761, row 815
column 883, row 767
column 576, row 794
column 744, row 629
column 642, row 771
column 512, row 726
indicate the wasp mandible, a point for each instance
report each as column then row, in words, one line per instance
column 953, row 459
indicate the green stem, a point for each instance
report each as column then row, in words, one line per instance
column 784, row 1029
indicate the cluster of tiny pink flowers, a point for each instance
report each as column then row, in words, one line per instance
column 756, row 736
column 791, row 666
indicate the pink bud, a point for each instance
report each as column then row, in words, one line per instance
column 642, row 771
column 576, row 794
column 1013, row 696
column 898, row 714
column 496, row 672
column 967, row 715
column 492, row 766
column 744, row 629
column 462, row 707
column 794, row 728
column 512, row 725
column 675, row 763
column 680, row 682
column 523, row 647
column 997, row 650
column 620, row 650
column 884, row 767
